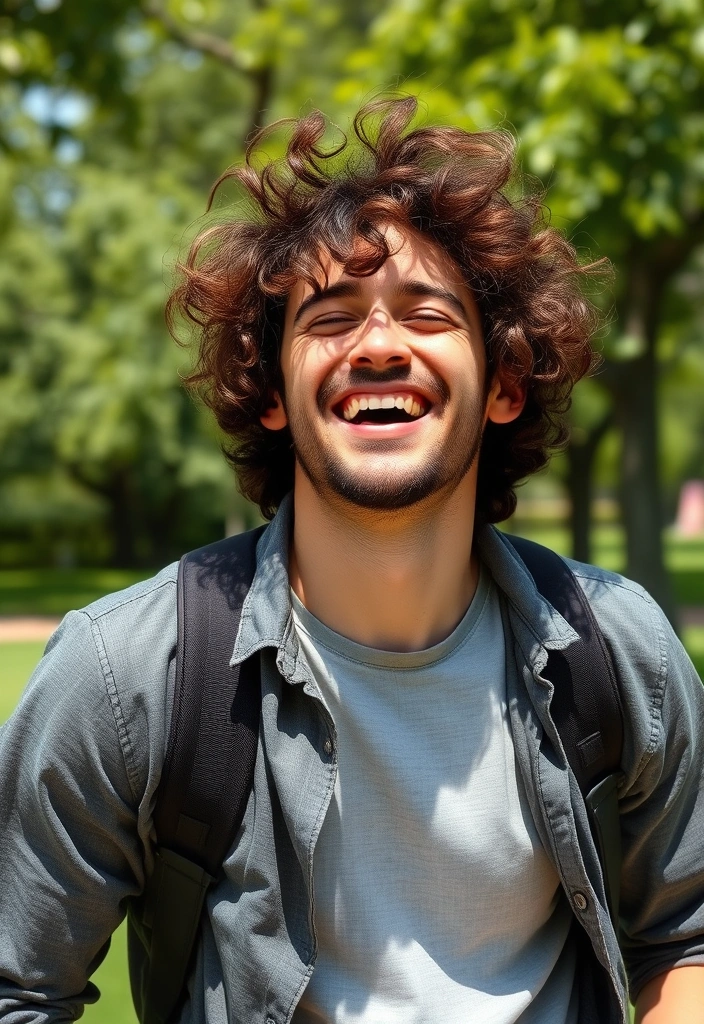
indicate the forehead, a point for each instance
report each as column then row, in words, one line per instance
column 413, row 256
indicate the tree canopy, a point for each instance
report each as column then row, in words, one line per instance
column 116, row 117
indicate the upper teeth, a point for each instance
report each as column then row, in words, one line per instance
column 353, row 404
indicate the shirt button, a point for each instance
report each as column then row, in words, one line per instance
column 327, row 746
column 580, row 901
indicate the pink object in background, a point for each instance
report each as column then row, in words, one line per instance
column 690, row 513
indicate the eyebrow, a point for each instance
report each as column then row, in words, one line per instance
column 341, row 290
column 352, row 289
column 423, row 290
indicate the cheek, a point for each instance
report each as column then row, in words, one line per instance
column 461, row 363
column 307, row 368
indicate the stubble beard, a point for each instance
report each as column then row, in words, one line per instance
column 383, row 489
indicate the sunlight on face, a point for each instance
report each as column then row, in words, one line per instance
column 385, row 378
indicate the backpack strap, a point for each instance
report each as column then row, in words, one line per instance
column 586, row 704
column 209, row 765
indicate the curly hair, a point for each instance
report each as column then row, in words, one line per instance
column 448, row 184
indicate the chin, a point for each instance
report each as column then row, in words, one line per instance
column 383, row 493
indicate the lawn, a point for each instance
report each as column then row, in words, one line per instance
column 56, row 591
column 684, row 556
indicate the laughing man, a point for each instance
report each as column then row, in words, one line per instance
column 389, row 342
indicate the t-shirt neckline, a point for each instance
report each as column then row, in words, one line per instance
column 353, row 651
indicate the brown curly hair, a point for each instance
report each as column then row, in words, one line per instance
column 442, row 181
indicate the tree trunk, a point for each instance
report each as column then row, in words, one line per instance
column 121, row 519
column 580, row 471
column 263, row 83
column 634, row 389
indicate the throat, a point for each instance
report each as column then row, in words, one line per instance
column 402, row 604
column 396, row 581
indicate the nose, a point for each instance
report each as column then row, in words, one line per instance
column 379, row 346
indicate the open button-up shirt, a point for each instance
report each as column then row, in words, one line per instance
column 81, row 758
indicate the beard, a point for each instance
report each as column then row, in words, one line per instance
column 387, row 483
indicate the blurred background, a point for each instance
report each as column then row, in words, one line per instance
column 116, row 117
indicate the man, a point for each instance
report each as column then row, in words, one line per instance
column 393, row 341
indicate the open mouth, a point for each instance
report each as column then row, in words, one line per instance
column 399, row 407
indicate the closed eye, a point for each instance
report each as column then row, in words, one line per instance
column 429, row 319
column 333, row 323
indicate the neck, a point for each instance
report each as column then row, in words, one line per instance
column 397, row 581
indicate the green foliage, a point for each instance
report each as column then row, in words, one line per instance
column 116, row 117
column 606, row 98
column 91, row 380
column 115, row 120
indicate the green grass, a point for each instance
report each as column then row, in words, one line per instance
column 17, row 661
column 684, row 557
column 57, row 591
column 693, row 639
column 115, row 1003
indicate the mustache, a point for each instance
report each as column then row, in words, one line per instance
column 357, row 378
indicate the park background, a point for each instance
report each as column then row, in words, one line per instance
column 116, row 117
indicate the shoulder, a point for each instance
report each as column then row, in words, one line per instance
column 105, row 679
column 620, row 605
column 661, row 692
column 155, row 594
column 132, row 628
column 636, row 629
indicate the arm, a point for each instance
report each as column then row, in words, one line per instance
column 662, row 812
column 75, row 780
column 676, row 997
column 661, row 797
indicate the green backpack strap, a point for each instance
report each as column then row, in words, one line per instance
column 585, row 707
column 207, row 774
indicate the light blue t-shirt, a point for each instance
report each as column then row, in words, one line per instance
column 434, row 899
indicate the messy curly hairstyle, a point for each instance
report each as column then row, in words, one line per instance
column 448, row 184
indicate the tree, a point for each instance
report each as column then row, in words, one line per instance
column 115, row 119
column 606, row 99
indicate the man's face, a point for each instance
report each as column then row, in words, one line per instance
column 384, row 378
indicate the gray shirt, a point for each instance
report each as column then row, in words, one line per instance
column 81, row 759
column 428, row 833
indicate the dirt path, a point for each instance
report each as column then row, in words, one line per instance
column 40, row 627
column 692, row 616
column 20, row 627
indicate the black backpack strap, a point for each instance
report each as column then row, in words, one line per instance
column 209, row 765
column 586, row 704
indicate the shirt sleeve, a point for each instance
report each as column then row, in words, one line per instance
column 75, row 823
column 661, row 801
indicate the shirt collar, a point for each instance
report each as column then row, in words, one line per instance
column 266, row 613
column 536, row 623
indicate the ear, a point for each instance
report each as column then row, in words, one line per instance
column 274, row 416
column 505, row 402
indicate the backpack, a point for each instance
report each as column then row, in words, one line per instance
column 209, row 764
